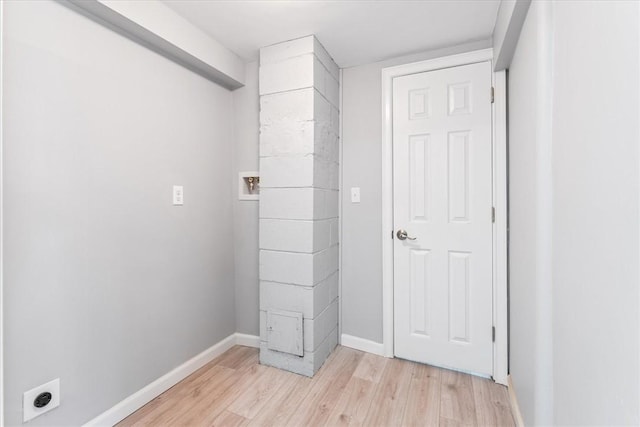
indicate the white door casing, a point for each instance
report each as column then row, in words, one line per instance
column 443, row 199
column 499, row 370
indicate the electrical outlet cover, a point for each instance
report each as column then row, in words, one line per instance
column 29, row 411
column 178, row 195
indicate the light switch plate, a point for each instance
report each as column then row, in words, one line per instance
column 355, row 194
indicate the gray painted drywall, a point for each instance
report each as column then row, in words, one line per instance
column 160, row 29
column 362, row 167
column 107, row 285
column 529, row 207
column 574, row 334
column 245, row 219
column 596, row 110
column 511, row 16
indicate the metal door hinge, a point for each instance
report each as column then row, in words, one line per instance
column 493, row 214
column 492, row 94
column 493, row 334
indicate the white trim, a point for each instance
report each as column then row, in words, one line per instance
column 387, row 211
column 362, row 344
column 247, row 340
column 146, row 394
column 500, row 238
column 340, row 207
column 500, row 201
column 515, row 407
column 2, row 26
column 436, row 64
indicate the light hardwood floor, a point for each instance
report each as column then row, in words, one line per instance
column 352, row 388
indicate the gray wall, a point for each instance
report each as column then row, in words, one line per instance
column 108, row 286
column 575, row 328
column 245, row 212
column 596, row 111
column 528, row 345
column 362, row 167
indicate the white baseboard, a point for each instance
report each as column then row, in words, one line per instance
column 247, row 340
column 515, row 408
column 362, row 344
column 145, row 395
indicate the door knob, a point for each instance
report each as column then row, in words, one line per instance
column 402, row 235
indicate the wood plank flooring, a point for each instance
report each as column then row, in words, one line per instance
column 351, row 389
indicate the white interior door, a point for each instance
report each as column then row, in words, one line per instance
column 442, row 186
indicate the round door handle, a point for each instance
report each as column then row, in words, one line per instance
column 402, row 235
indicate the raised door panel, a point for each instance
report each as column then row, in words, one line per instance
column 458, row 187
column 459, row 298
column 420, row 296
column 419, row 194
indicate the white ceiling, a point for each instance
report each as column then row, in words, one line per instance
column 354, row 32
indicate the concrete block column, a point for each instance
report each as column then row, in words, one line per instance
column 299, row 149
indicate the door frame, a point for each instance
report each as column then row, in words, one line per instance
column 499, row 186
column 2, row 394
